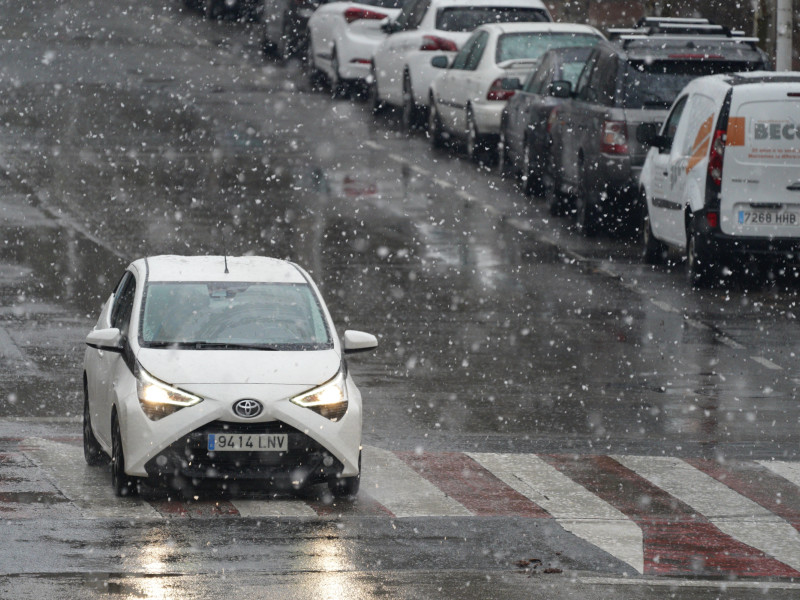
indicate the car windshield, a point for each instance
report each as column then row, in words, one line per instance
column 272, row 316
column 467, row 18
column 530, row 44
column 656, row 84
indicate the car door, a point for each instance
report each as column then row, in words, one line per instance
column 390, row 58
column 108, row 363
column 445, row 85
column 662, row 207
column 566, row 139
column 517, row 111
column 469, row 87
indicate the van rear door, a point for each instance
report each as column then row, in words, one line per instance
column 760, row 194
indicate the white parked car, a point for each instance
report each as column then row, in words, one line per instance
column 402, row 71
column 468, row 98
column 721, row 182
column 219, row 368
column 343, row 37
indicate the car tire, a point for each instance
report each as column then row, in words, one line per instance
column 586, row 212
column 286, row 45
column 654, row 252
column 92, row 451
column 411, row 115
column 531, row 176
column 338, row 85
column 123, row 484
column 346, row 487
column 212, row 9
column 551, row 190
column 315, row 75
column 373, row 97
column 700, row 268
column 504, row 166
column 435, row 127
column 478, row 149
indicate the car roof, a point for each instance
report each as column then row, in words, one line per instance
column 536, row 4
column 753, row 77
column 500, row 28
column 684, row 48
column 212, row 268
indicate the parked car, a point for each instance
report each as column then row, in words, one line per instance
column 402, row 72
column 721, row 181
column 468, row 98
column 221, row 368
column 524, row 143
column 285, row 26
column 596, row 156
column 343, row 37
column 215, row 9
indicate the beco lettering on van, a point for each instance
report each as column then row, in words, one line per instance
column 776, row 131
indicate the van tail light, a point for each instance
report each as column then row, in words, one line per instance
column 356, row 14
column 715, row 156
column 496, row 91
column 435, row 43
column 712, row 218
column 615, row 138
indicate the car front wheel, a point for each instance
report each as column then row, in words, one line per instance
column 344, row 487
column 92, row 452
column 123, row 484
column 653, row 251
column 701, row 269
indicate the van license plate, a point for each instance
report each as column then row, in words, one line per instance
column 248, row 442
column 769, row 217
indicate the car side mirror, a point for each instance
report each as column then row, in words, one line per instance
column 388, row 26
column 105, row 339
column 440, row 61
column 648, row 135
column 358, row 341
column 511, row 83
column 561, row 89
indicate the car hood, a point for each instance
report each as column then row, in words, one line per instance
column 232, row 367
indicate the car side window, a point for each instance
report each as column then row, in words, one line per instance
column 583, row 80
column 537, row 80
column 123, row 303
column 460, row 60
column 671, row 124
column 477, row 51
column 410, row 14
column 421, row 8
column 603, row 80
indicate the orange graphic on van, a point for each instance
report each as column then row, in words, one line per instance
column 735, row 136
column 700, row 146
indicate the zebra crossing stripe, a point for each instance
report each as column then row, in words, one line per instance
column 677, row 540
column 394, row 484
column 86, row 487
column 273, row 508
column 732, row 513
column 787, row 470
column 575, row 508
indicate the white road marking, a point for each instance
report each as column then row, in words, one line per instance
column 399, row 488
column 765, row 362
column 575, row 508
column 419, row 170
column 664, row 306
column 89, row 488
column 788, row 470
column 273, row 508
column 730, row 343
column 397, row 158
column 728, row 510
column 373, row 145
column 443, row 183
column 465, row 195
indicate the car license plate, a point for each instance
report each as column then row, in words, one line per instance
column 769, row 217
column 248, row 442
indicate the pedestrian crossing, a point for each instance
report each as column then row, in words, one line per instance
column 658, row 515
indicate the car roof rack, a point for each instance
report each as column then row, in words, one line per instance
column 675, row 28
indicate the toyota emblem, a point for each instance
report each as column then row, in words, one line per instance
column 248, row 409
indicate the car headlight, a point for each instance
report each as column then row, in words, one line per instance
column 328, row 400
column 159, row 399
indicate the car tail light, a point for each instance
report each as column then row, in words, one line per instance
column 497, row 92
column 712, row 218
column 552, row 119
column 715, row 157
column 437, row 44
column 356, row 14
column 615, row 138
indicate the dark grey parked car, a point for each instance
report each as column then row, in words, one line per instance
column 285, row 26
column 216, row 9
column 524, row 145
column 632, row 80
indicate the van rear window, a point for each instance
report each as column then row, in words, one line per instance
column 656, row 84
column 467, row 18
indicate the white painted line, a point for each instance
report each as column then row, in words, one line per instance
column 373, row 145
column 399, row 488
column 575, row 508
column 787, row 470
column 765, row 362
column 730, row 343
column 465, row 195
column 89, row 488
column 397, row 158
column 419, row 170
column 763, row 587
column 8, row 349
column 273, row 508
column 443, row 183
column 732, row 513
column 697, row 324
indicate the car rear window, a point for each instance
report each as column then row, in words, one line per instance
column 467, row 18
column 286, row 316
column 512, row 46
column 383, row 3
column 656, row 83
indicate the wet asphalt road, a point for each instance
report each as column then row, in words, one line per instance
column 140, row 129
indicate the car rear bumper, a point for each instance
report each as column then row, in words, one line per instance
column 723, row 245
column 487, row 116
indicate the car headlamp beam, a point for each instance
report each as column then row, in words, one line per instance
column 159, row 399
column 328, row 400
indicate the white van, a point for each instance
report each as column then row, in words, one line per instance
column 721, row 181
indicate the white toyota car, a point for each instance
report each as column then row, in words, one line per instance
column 343, row 37
column 228, row 369
column 402, row 72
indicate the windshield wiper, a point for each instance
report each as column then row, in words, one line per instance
column 229, row 346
